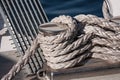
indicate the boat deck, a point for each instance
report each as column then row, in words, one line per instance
column 92, row 70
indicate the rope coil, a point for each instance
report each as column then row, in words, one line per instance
column 79, row 38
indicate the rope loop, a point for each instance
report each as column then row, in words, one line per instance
column 67, row 42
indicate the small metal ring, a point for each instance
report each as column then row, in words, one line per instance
column 41, row 74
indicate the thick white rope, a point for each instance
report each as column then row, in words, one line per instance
column 85, row 36
column 101, row 22
column 63, row 55
column 59, row 55
column 108, row 37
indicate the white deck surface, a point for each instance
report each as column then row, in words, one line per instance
column 6, row 44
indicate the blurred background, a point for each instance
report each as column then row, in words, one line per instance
column 55, row 8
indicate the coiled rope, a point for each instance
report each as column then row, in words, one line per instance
column 81, row 37
column 106, row 42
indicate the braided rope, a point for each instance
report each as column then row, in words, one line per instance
column 22, row 61
column 85, row 35
column 107, row 36
column 94, row 20
column 101, row 32
column 106, row 42
column 63, row 57
column 67, row 57
column 60, row 49
column 109, row 58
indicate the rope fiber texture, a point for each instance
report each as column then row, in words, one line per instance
column 85, row 36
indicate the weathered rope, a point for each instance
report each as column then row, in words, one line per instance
column 105, row 31
column 61, row 58
column 22, row 61
column 101, row 22
column 84, row 36
column 106, row 42
column 63, row 48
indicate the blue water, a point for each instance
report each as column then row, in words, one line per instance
column 55, row 8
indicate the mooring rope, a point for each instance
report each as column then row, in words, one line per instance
column 22, row 61
column 62, row 58
column 84, row 36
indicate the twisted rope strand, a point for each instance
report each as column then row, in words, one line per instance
column 22, row 61
column 85, row 35
column 67, row 57
column 101, row 32
column 103, row 23
column 70, row 63
column 57, row 52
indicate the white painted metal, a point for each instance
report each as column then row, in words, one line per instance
column 114, row 7
column 5, row 42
